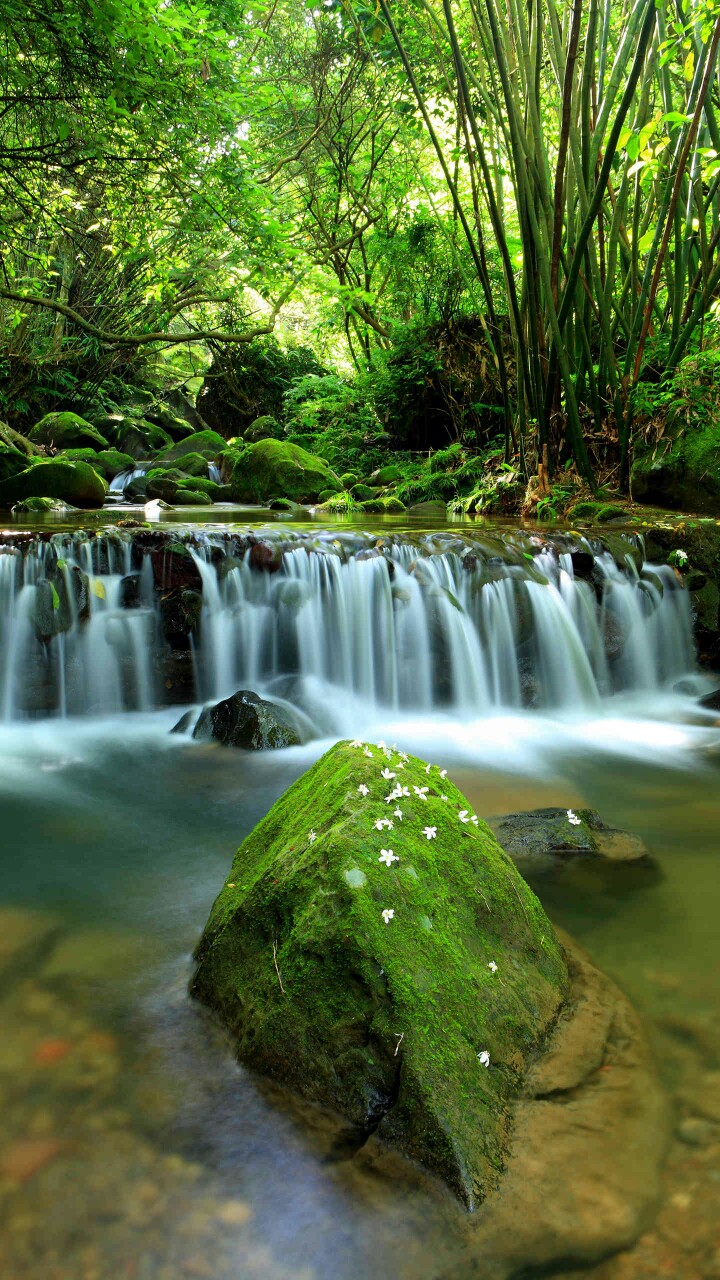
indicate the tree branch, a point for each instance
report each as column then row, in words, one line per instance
column 139, row 339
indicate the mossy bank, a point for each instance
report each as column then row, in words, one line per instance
column 382, row 956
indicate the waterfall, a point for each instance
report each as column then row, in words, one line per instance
column 94, row 624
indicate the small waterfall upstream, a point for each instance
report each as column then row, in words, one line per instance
column 94, row 624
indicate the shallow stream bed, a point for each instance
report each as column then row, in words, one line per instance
column 132, row 1146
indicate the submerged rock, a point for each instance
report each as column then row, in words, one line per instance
column 558, row 834
column 402, row 974
column 245, row 720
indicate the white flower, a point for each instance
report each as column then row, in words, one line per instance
column 484, row 1058
column 492, row 966
column 397, row 793
column 383, row 822
column 421, row 792
column 443, row 773
column 464, row 816
column 388, row 914
column 403, row 756
column 368, row 752
column 363, row 789
column 312, row 837
column 443, row 797
column 388, row 774
column 388, row 857
column 474, row 819
column 430, row 832
column 397, row 813
column 681, row 556
column 428, row 767
column 399, row 765
column 573, row 819
column 356, row 743
column 382, row 745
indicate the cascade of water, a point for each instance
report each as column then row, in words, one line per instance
column 409, row 624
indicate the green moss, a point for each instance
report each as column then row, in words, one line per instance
column 340, row 504
column 683, row 474
column 277, row 469
column 192, row 498
column 205, row 445
column 74, row 482
column 600, row 512
column 110, row 462
column 385, row 1022
column 389, row 506
column 66, row 431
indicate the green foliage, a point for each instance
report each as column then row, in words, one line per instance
column 332, row 417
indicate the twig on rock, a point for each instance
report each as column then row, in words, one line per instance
column 276, row 965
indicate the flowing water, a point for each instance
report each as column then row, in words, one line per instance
column 130, row 1144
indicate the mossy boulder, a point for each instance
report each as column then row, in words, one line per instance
column 389, row 474
column 66, row 431
column 110, row 462
column 384, row 506
column 683, row 474
column 277, row 469
column 191, row 498
column 41, row 506
column 263, row 428
column 177, row 427
column 413, row 987
column 546, row 837
column 362, row 492
column 73, row 482
column 599, row 512
column 138, row 438
column 349, row 478
column 201, row 444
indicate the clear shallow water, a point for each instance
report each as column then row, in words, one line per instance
column 161, row 1158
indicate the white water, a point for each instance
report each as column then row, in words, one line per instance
column 341, row 634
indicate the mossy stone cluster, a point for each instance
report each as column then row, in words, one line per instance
column 391, row 1024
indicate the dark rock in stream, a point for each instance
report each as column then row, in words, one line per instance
column 245, row 720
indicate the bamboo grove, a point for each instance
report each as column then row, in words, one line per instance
column 589, row 141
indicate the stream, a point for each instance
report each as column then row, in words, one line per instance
column 131, row 1144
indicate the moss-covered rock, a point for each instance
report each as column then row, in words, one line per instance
column 203, row 444
column 389, row 474
column 74, row 482
column 349, row 479
column 139, row 438
column 192, row 498
column 277, row 469
column 683, row 474
column 66, row 431
column 546, row 836
column 387, row 506
column 599, row 512
column 413, row 986
column 42, row 506
column 362, row 492
column 110, row 462
column 266, row 427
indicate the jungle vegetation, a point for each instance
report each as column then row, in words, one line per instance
column 458, row 221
